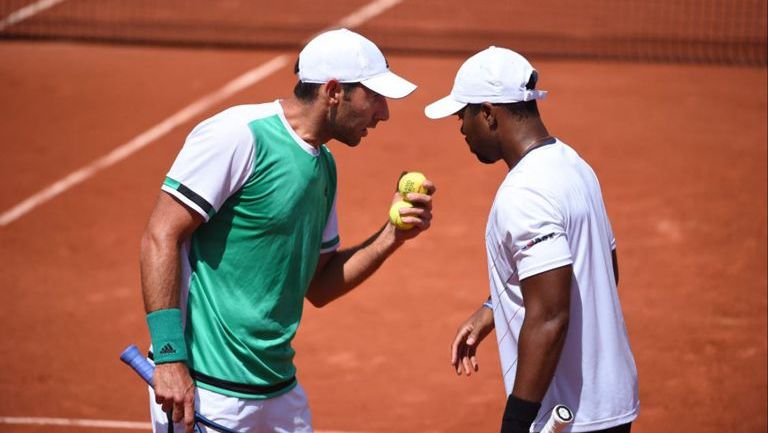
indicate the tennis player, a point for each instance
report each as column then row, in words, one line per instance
column 245, row 228
column 551, row 260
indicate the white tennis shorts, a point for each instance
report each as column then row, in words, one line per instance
column 287, row 413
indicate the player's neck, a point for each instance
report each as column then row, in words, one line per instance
column 306, row 120
column 523, row 137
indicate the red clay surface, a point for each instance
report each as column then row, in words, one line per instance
column 680, row 151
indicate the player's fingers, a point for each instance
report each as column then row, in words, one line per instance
column 167, row 405
column 165, row 402
column 416, row 212
column 419, row 200
column 460, row 365
column 465, row 361
column 429, row 186
column 473, row 360
column 417, row 222
column 455, row 353
column 421, row 218
column 472, row 355
column 189, row 413
column 178, row 410
column 458, row 342
column 474, row 336
column 466, row 364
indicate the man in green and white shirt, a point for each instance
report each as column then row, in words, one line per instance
column 246, row 228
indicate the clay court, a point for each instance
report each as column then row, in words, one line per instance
column 679, row 144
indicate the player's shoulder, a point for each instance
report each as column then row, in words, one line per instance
column 249, row 112
column 553, row 166
column 521, row 194
column 542, row 177
column 235, row 121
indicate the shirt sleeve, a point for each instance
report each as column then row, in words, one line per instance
column 331, row 240
column 535, row 239
column 215, row 162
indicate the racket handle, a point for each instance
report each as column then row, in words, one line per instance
column 138, row 362
column 143, row 368
column 561, row 417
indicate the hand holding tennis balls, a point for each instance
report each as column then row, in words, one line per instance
column 396, row 218
column 411, row 182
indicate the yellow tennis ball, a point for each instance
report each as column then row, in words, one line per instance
column 411, row 182
column 396, row 218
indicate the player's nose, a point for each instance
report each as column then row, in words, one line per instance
column 382, row 114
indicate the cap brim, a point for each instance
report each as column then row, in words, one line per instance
column 443, row 108
column 390, row 85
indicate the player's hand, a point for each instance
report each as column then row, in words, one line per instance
column 420, row 215
column 174, row 389
column 468, row 337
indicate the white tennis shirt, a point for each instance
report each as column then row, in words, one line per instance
column 549, row 213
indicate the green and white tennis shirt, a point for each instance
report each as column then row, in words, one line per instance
column 269, row 201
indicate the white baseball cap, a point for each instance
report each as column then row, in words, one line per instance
column 495, row 75
column 348, row 57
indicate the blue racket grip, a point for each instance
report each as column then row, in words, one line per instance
column 138, row 362
column 143, row 368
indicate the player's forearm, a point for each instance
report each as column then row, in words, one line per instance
column 160, row 269
column 541, row 342
column 348, row 268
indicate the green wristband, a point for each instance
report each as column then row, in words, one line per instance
column 167, row 335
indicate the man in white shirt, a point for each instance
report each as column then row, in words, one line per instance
column 551, row 260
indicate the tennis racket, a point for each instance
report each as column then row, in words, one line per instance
column 561, row 416
column 145, row 369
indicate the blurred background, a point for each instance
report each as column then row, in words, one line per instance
column 703, row 31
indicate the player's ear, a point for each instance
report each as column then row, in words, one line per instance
column 489, row 115
column 331, row 92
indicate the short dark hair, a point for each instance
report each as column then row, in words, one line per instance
column 307, row 92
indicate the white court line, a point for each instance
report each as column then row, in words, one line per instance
column 366, row 12
column 26, row 12
column 250, row 78
column 94, row 423
column 142, row 140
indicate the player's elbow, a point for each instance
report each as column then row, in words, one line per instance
column 152, row 240
column 559, row 324
column 149, row 242
column 556, row 325
column 155, row 241
column 553, row 324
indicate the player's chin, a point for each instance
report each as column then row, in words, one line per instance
column 481, row 158
column 351, row 140
column 485, row 160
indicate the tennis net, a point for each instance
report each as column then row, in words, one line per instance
column 701, row 31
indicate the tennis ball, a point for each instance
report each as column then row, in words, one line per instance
column 394, row 215
column 412, row 181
